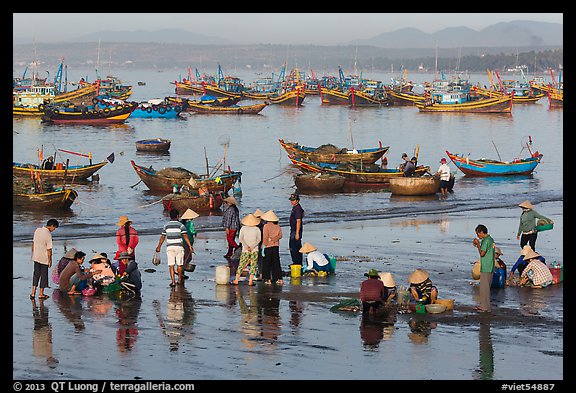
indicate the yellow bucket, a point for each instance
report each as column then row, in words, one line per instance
column 295, row 270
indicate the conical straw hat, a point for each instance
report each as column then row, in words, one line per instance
column 531, row 254
column 476, row 270
column 258, row 213
column 231, row 200
column 525, row 250
column 250, row 220
column 387, row 279
column 307, row 247
column 70, row 253
column 269, row 216
column 526, row 205
column 189, row 214
column 123, row 220
column 418, row 276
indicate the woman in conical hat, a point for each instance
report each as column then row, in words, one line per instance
column 390, row 285
column 536, row 274
column 521, row 264
column 187, row 220
column 317, row 262
column 126, row 236
column 421, row 287
column 271, row 235
column 527, row 232
column 249, row 238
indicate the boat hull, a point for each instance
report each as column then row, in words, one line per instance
column 200, row 204
column 73, row 173
column 405, row 98
column 293, row 98
column 235, row 110
column 91, row 115
column 323, row 183
column 366, row 156
column 423, row 185
column 57, row 200
column 153, row 145
column 334, row 97
column 485, row 168
column 501, row 104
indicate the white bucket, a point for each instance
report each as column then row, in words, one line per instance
column 222, row 274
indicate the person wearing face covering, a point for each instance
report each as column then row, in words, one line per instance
column 527, row 232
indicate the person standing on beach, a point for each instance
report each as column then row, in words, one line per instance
column 249, row 237
column 231, row 223
column 271, row 235
column 175, row 233
column 444, row 172
column 187, row 220
column 42, row 257
column 126, row 237
column 296, row 223
column 258, row 214
column 486, row 249
column 527, row 232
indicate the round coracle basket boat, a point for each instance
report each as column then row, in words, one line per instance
column 422, row 185
column 157, row 144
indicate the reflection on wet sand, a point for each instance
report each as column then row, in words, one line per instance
column 42, row 334
column 127, row 311
column 249, row 323
column 179, row 318
column 70, row 307
column 485, row 369
column 420, row 329
column 268, row 299
column 441, row 221
column 377, row 327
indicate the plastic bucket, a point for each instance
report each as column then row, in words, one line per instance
column 498, row 278
column 295, row 271
column 556, row 274
column 420, row 308
column 222, row 274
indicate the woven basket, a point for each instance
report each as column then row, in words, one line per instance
column 449, row 303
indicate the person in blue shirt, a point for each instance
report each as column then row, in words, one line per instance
column 521, row 263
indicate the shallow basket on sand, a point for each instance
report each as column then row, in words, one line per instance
column 422, row 185
column 449, row 303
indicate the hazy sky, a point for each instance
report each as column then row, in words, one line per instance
column 255, row 28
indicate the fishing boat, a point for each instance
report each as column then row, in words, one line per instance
column 60, row 174
column 188, row 87
column 318, row 182
column 369, row 175
column 422, row 185
column 334, row 96
column 292, row 97
column 372, row 93
column 153, row 145
column 204, row 100
column 91, row 114
column 165, row 179
column 232, row 109
column 556, row 99
column 500, row 104
column 484, row 167
column 80, row 96
column 191, row 200
column 50, row 200
column 401, row 98
column 31, row 102
column 332, row 154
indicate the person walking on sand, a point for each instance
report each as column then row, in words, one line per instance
column 296, row 224
column 126, row 237
column 444, row 172
column 231, row 223
column 187, row 220
column 527, row 232
column 271, row 235
column 42, row 257
column 174, row 233
column 486, row 249
column 249, row 237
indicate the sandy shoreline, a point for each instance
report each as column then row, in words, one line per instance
column 282, row 333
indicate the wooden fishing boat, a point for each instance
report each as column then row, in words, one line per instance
column 31, row 102
column 556, row 99
column 369, row 175
column 198, row 203
column 93, row 114
column 82, row 95
column 362, row 98
column 164, row 180
column 153, row 145
column 188, row 87
column 204, row 100
column 233, row 109
column 318, row 182
column 501, row 104
column 422, row 185
column 401, row 98
column 59, row 175
column 485, row 167
column 332, row 154
column 529, row 97
column 292, row 97
column 334, row 96
column 52, row 200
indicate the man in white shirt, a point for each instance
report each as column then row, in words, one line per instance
column 444, row 172
column 42, row 257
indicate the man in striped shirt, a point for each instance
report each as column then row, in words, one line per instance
column 174, row 233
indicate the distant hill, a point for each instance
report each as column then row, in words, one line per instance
column 516, row 33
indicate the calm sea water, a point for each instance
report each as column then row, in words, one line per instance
column 250, row 145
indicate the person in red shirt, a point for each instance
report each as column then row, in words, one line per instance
column 373, row 293
column 126, row 237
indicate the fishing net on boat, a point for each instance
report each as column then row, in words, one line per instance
column 327, row 149
column 178, row 173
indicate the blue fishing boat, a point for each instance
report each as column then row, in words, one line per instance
column 157, row 109
column 485, row 167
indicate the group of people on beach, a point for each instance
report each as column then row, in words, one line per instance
column 257, row 251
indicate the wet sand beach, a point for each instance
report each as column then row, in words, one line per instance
column 204, row 331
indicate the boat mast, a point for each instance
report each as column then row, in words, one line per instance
column 98, row 60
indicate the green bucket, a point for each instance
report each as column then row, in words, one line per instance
column 420, row 308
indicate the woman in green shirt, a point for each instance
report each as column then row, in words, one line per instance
column 527, row 232
column 187, row 220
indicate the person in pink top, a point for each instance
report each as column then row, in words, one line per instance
column 271, row 235
column 126, row 237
